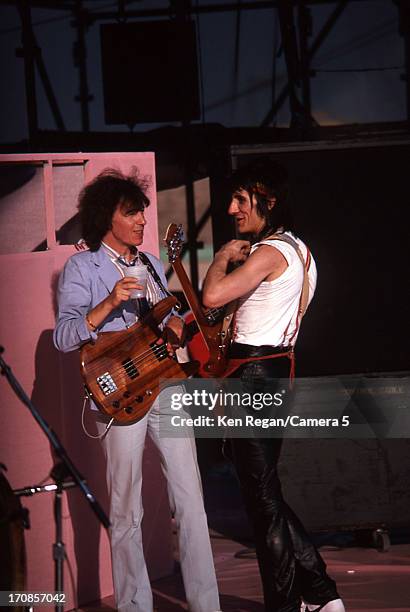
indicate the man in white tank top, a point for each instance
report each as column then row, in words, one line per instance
column 274, row 267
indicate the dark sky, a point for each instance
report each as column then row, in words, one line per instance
column 365, row 37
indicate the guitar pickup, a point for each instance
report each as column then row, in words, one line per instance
column 106, row 383
column 211, row 320
column 159, row 351
column 214, row 315
column 130, row 368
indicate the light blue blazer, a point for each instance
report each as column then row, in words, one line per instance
column 87, row 278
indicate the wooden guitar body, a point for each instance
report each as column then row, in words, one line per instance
column 122, row 369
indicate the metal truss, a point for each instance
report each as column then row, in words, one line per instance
column 295, row 22
column 295, row 26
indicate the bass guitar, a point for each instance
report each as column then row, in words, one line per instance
column 122, row 369
column 214, row 324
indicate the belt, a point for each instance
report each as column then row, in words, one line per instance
column 238, row 350
column 239, row 354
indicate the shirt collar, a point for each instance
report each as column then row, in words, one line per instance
column 115, row 256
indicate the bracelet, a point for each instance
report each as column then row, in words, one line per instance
column 90, row 323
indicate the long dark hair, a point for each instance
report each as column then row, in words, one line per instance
column 266, row 179
column 99, row 199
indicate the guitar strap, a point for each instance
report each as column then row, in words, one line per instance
column 147, row 262
column 304, row 296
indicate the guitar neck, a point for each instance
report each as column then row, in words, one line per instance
column 209, row 321
column 189, row 293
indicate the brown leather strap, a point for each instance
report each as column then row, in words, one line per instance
column 304, row 296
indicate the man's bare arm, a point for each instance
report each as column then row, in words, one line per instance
column 266, row 263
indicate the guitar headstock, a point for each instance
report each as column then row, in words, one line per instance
column 174, row 239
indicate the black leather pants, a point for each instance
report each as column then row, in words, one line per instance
column 289, row 564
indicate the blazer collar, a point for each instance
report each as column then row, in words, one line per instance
column 105, row 269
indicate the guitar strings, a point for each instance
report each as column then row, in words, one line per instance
column 140, row 358
column 213, row 312
column 154, row 352
column 150, row 361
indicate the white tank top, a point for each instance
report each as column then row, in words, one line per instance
column 268, row 314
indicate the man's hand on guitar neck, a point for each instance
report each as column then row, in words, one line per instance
column 174, row 333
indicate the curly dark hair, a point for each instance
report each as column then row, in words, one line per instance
column 99, row 199
column 266, row 179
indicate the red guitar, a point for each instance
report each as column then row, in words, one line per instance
column 214, row 324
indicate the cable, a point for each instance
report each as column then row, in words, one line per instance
column 385, row 28
column 87, row 433
column 359, row 69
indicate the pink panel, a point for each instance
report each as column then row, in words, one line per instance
column 24, row 208
column 28, row 282
column 49, row 204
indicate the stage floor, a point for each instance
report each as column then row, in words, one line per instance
column 368, row 580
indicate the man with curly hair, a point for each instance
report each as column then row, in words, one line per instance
column 94, row 296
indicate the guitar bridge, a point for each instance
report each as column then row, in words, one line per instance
column 106, row 383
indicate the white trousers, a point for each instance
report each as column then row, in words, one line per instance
column 123, row 447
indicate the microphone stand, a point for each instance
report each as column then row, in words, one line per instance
column 59, row 473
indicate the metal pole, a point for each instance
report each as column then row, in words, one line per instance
column 200, row 9
column 181, row 10
column 315, row 46
column 58, row 546
column 300, row 116
column 52, row 100
column 192, row 237
column 305, row 30
column 404, row 30
column 28, row 52
column 80, row 62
